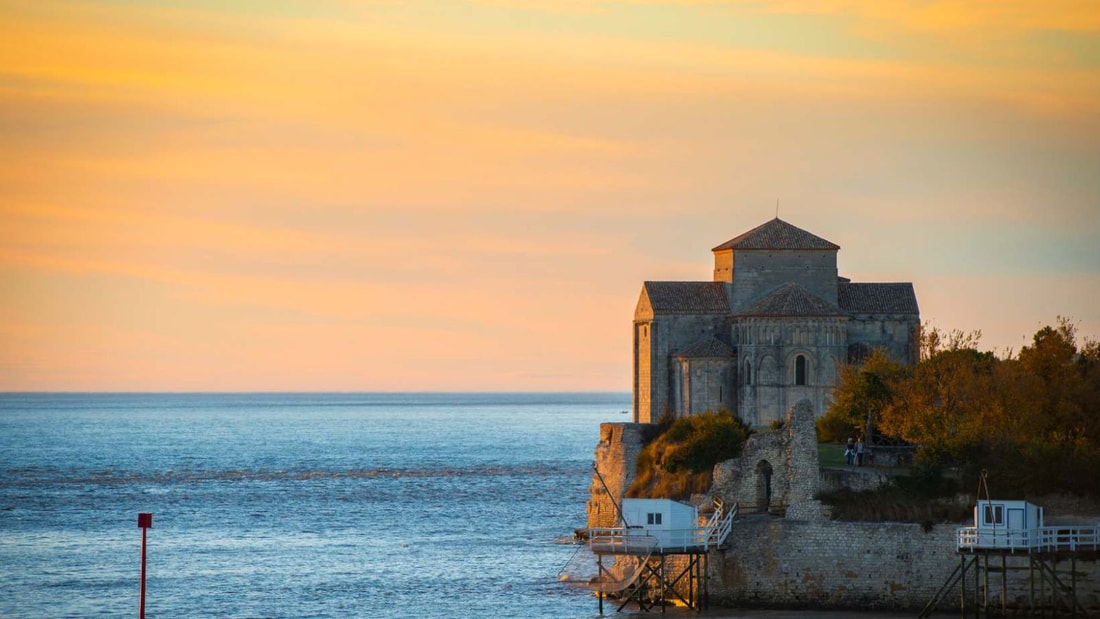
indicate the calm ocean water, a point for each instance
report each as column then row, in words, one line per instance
column 297, row 505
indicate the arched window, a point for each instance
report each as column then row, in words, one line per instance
column 800, row 370
column 748, row 372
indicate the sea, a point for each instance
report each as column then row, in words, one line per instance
column 421, row 505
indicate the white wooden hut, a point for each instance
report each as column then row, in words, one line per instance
column 671, row 523
column 1007, row 524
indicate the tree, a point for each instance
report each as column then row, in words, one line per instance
column 944, row 406
column 1033, row 421
column 862, row 392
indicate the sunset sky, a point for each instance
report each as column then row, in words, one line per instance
column 461, row 195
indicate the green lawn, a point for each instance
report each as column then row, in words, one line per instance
column 831, row 455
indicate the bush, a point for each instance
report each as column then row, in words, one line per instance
column 680, row 460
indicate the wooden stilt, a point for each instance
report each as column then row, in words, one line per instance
column 1073, row 581
column 599, row 572
column 985, row 583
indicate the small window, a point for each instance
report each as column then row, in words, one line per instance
column 748, row 373
column 994, row 514
column 653, row 518
column 800, row 370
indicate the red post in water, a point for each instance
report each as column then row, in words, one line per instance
column 145, row 521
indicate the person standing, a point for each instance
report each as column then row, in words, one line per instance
column 850, row 451
column 859, row 452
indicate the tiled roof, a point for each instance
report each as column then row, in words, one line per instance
column 707, row 348
column 896, row 298
column 688, row 297
column 791, row 300
column 776, row 234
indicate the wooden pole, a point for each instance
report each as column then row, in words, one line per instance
column 141, row 610
column 1073, row 581
column 962, row 587
column 145, row 521
column 1004, row 586
column 1042, row 587
column 599, row 589
column 1031, row 586
column 985, row 584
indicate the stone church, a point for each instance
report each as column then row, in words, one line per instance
column 770, row 330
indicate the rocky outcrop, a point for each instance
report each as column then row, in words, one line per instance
column 616, row 460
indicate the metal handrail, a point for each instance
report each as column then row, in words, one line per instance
column 1038, row 539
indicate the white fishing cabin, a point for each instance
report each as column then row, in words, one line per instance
column 670, row 523
column 1006, row 524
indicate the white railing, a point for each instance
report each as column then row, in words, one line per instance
column 621, row 539
column 720, row 526
column 1043, row 539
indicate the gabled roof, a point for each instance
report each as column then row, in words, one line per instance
column 791, row 300
column 894, row 298
column 686, row 297
column 777, row 234
column 707, row 348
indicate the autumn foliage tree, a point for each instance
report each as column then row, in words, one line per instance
column 862, row 392
column 1032, row 420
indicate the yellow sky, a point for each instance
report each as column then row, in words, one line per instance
column 453, row 195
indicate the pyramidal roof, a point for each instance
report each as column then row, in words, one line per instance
column 791, row 300
column 777, row 234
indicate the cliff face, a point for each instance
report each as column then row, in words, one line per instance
column 616, row 460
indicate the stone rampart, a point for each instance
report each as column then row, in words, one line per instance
column 775, row 562
column 780, row 563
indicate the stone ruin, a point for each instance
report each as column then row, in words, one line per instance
column 777, row 472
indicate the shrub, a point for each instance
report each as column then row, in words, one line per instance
column 679, row 461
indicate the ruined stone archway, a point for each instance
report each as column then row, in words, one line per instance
column 763, row 485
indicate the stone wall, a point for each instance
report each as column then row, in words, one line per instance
column 855, row 479
column 896, row 334
column 776, row 563
column 705, row 384
column 655, row 343
column 758, row 272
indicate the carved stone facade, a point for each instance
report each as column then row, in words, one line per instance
column 769, row 331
